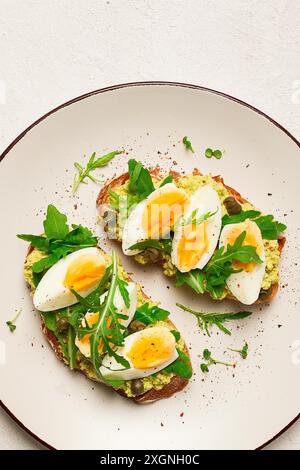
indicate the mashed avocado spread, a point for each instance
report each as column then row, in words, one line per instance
column 191, row 183
column 157, row 381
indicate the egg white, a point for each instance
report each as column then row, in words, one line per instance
column 51, row 292
column 84, row 347
column 133, row 231
column 111, row 369
column 205, row 199
column 245, row 286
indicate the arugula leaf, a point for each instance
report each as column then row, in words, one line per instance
column 11, row 323
column 58, row 242
column 93, row 163
column 214, row 275
column 46, row 263
column 194, row 219
column 122, row 285
column 49, row 319
column 55, row 224
column 181, row 367
column 243, row 351
column 168, row 179
column 176, row 335
column 187, row 144
column 206, row 320
column 241, row 217
column 150, row 314
column 140, row 181
column 72, row 348
column 195, row 279
column 270, row 228
column 42, row 243
column 110, row 333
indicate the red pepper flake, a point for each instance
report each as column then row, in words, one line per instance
column 181, row 414
column 239, row 285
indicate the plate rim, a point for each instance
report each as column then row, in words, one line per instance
column 117, row 87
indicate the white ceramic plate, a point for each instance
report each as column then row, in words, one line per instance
column 241, row 408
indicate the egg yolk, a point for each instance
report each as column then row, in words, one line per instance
column 253, row 238
column 152, row 347
column 91, row 320
column 192, row 245
column 161, row 213
column 84, row 272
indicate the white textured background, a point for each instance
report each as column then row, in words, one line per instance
column 53, row 50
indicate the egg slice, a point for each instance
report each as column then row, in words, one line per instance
column 194, row 243
column 245, row 285
column 91, row 318
column 80, row 271
column 154, row 217
column 148, row 351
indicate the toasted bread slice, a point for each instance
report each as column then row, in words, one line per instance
column 103, row 201
column 175, row 385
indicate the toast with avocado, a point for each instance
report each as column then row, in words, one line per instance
column 202, row 232
column 97, row 320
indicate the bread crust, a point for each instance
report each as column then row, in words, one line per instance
column 175, row 385
column 103, row 196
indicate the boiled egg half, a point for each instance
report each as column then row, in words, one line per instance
column 80, row 271
column 246, row 284
column 147, row 351
column 196, row 235
column 154, row 217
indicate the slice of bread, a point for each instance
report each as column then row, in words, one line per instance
column 103, row 202
column 175, row 385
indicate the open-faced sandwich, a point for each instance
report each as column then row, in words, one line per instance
column 99, row 321
column 201, row 231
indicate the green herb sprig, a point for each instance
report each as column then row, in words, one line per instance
column 11, row 323
column 206, row 320
column 92, row 164
column 210, row 361
column 187, row 144
column 243, row 351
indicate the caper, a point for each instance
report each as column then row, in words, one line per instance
column 136, row 325
column 62, row 324
column 232, row 206
column 265, row 293
column 137, row 387
column 109, row 220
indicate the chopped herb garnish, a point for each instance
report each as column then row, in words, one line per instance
column 210, row 360
column 206, row 320
column 243, row 352
column 209, row 153
column 213, row 153
column 93, row 163
column 188, row 144
column 11, row 323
